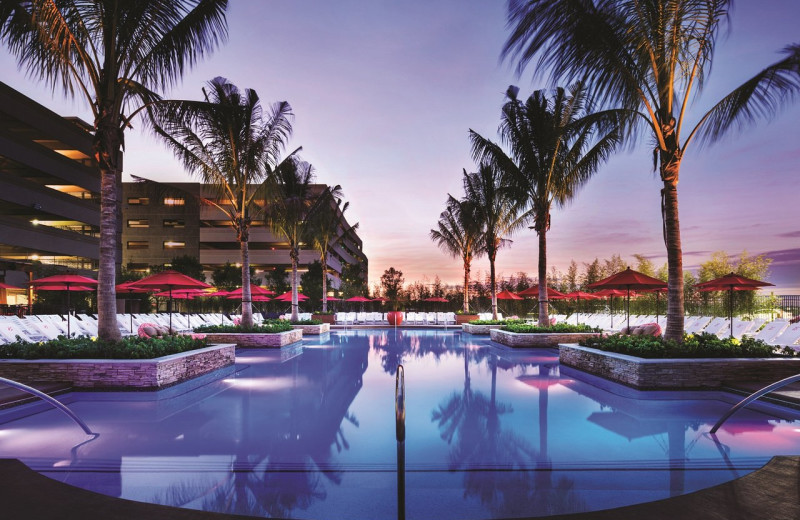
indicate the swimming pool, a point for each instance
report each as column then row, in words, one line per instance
column 308, row 431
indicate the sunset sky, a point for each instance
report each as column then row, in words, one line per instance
column 384, row 93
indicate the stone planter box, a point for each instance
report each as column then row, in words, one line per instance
column 465, row 318
column 330, row 319
column 479, row 329
column 121, row 374
column 538, row 339
column 314, row 330
column 675, row 374
column 257, row 339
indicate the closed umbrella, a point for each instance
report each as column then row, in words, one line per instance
column 627, row 280
column 731, row 282
column 170, row 281
column 65, row 282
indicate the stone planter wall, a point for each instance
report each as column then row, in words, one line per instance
column 465, row 318
column 313, row 329
column 478, row 329
column 121, row 374
column 539, row 339
column 257, row 339
column 325, row 318
column 675, row 374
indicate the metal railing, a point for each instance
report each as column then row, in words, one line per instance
column 51, row 400
column 752, row 397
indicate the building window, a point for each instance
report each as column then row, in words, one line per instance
column 173, row 223
column 174, row 201
column 138, row 244
column 138, row 201
column 174, row 244
column 138, row 223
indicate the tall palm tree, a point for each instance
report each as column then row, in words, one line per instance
column 556, row 145
column 292, row 205
column 113, row 54
column 228, row 142
column 459, row 234
column 651, row 57
column 327, row 232
column 498, row 213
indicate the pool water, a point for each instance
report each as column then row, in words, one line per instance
column 308, row 431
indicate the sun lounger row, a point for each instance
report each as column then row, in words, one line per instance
column 410, row 318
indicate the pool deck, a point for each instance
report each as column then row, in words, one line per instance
column 770, row 493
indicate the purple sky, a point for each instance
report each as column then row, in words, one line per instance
column 384, row 93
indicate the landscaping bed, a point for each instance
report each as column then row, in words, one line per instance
column 481, row 328
column 312, row 329
column 537, row 339
column 672, row 373
column 121, row 374
column 257, row 339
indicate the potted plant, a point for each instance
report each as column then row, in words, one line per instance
column 462, row 317
column 325, row 317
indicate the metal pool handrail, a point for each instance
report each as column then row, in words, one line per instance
column 51, row 400
column 752, row 397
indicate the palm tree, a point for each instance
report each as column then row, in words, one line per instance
column 229, row 143
column 292, row 205
column 114, row 55
column 496, row 211
column 556, row 146
column 651, row 57
column 459, row 234
column 327, row 232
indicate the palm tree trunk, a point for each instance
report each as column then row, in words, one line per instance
column 324, row 261
column 107, row 328
column 493, row 286
column 544, row 319
column 672, row 229
column 107, row 148
column 247, row 297
column 466, row 285
column 295, row 254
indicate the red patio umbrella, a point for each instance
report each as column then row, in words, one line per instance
column 577, row 296
column 65, row 282
column 508, row 295
column 254, row 290
column 169, row 281
column 287, row 296
column 12, row 287
column 552, row 294
column 731, row 282
column 627, row 280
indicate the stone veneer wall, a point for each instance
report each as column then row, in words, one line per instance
column 257, row 339
column 538, row 339
column 479, row 329
column 676, row 374
column 313, row 329
column 135, row 374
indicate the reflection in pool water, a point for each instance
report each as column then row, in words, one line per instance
column 309, row 432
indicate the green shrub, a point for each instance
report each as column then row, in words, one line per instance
column 693, row 346
column 494, row 322
column 527, row 328
column 307, row 322
column 269, row 327
column 132, row 347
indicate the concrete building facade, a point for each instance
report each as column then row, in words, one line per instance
column 166, row 220
column 49, row 191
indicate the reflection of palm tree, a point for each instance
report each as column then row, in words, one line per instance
column 498, row 461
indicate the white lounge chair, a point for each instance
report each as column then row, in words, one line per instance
column 789, row 337
column 771, row 330
column 698, row 325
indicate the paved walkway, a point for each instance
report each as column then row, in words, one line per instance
column 771, row 493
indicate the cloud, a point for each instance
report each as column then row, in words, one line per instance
column 790, row 234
